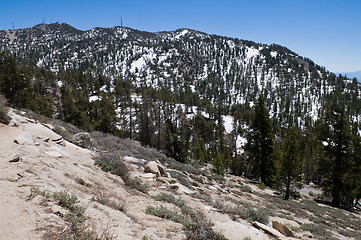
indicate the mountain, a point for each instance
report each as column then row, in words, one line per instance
column 225, row 71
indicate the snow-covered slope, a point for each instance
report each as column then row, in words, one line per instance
column 224, row 70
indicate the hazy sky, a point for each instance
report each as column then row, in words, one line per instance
column 326, row 31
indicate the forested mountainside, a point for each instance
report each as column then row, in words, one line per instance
column 250, row 109
column 224, row 70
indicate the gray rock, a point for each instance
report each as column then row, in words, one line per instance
column 14, row 123
column 307, row 234
column 83, row 139
column 134, row 160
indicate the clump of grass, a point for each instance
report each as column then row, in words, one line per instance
column 250, row 214
column 185, row 209
column 125, row 147
column 262, row 186
column 65, row 199
column 68, row 201
column 163, row 212
column 216, row 177
column 4, row 118
column 246, row 188
column 182, row 167
column 112, row 162
column 107, row 202
column 316, row 229
column 194, row 225
column 202, row 232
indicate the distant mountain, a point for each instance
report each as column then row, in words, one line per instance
column 226, row 71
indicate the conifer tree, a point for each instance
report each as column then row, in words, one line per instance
column 259, row 145
column 336, row 138
column 290, row 166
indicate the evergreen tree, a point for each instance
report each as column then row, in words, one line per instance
column 336, row 137
column 290, row 166
column 13, row 84
column 259, row 145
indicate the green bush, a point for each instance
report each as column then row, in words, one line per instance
column 112, row 162
column 4, row 118
column 163, row 212
column 250, row 214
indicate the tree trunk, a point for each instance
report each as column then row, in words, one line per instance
column 288, row 185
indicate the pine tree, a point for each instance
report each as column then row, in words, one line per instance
column 336, row 138
column 13, row 84
column 290, row 166
column 259, row 145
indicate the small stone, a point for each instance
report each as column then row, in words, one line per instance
column 57, row 210
column 173, row 186
column 30, row 120
column 147, row 176
column 15, row 158
column 51, row 127
column 54, row 154
column 59, row 141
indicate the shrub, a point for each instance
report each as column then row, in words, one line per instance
column 314, row 228
column 65, row 199
column 202, row 232
column 250, row 214
column 112, row 162
column 107, row 202
column 163, row 212
column 4, row 118
column 246, row 188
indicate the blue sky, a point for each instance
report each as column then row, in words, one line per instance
column 327, row 31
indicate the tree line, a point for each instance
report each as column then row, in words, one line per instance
column 188, row 128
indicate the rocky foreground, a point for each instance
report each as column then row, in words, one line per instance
column 51, row 188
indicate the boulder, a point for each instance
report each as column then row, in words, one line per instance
column 270, row 231
column 83, row 139
column 152, row 167
column 282, row 229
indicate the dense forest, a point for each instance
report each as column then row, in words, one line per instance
column 283, row 154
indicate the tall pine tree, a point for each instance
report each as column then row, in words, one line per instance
column 259, row 145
